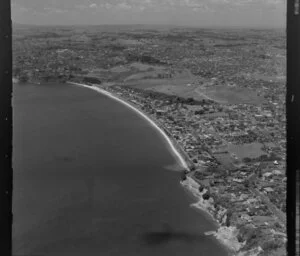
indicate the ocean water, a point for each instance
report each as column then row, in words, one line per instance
column 91, row 177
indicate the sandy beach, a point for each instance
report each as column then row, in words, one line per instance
column 179, row 158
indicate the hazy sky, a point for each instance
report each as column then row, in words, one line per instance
column 253, row 13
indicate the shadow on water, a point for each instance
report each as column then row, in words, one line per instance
column 157, row 238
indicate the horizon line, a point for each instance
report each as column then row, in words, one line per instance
column 157, row 25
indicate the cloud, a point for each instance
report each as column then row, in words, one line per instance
column 108, row 6
column 81, row 6
column 19, row 8
column 93, row 5
column 216, row 3
column 23, row 9
column 86, row 7
column 253, row 2
column 124, row 5
column 55, row 10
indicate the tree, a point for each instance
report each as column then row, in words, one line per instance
column 190, row 100
column 16, row 71
column 247, row 159
column 228, row 217
column 246, row 183
column 92, row 80
column 23, row 78
column 199, row 112
column 183, row 176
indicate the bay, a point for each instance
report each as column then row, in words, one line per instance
column 91, row 177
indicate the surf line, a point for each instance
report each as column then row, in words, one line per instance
column 102, row 91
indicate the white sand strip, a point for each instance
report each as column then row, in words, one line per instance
column 174, row 150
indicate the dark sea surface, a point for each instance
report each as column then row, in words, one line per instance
column 91, row 177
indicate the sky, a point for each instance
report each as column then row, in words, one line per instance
column 200, row 13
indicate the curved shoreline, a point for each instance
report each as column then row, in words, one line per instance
column 227, row 236
column 178, row 156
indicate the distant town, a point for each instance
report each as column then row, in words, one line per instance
column 218, row 94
